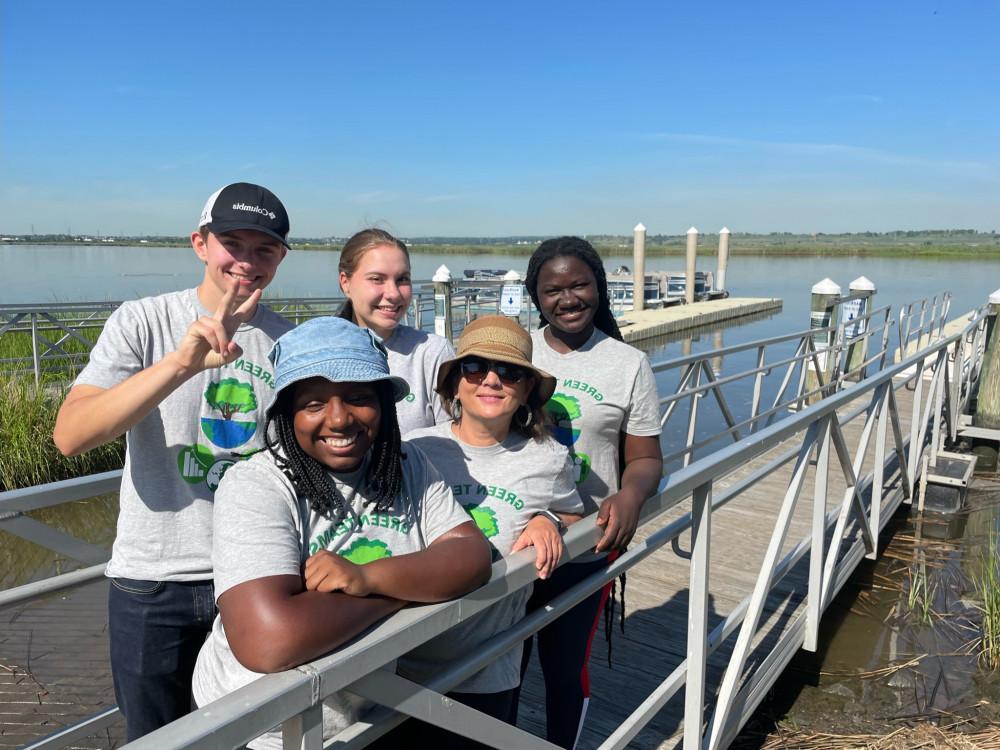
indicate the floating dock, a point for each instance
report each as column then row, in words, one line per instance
column 636, row 326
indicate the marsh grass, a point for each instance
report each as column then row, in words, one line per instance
column 27, row 454
column 986, row 579
column 16, row 352
column 920, row 593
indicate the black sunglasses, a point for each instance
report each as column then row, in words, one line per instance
column 475, row 370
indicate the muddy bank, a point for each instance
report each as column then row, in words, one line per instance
column 901, row 660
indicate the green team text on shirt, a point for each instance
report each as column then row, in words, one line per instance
column 395, row 523
column 487, row 490
column 578, row 385
column 245, row 365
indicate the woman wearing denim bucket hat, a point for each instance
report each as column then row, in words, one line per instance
column 513, row 479
column 335, row 494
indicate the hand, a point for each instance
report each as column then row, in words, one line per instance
column 327, row 571
column 543, row 535
column 618, row 516
column 208, row 342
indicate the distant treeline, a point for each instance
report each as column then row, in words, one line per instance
column 927, row 243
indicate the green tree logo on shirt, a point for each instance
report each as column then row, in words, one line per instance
column 231, row 397
column 485, row 518
column 564, row 409
column 366, row 550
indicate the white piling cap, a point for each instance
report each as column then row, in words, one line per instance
column 862, row 284
column 512, row 275
column 995, row 298
column 639, row 227
column 725, row 230
column 826, row 286
column 692, row 230
column 442, row 274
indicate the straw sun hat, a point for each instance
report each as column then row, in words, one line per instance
column 500, row 339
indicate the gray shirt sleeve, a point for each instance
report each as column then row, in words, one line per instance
column 642, row 417
column 439, row 511
column 258, row 531
column 119, row 351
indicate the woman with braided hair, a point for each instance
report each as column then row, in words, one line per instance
column 332, row 528
column 605, row 410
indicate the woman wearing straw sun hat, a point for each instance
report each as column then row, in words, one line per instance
column 335, row 494
column 513, row 479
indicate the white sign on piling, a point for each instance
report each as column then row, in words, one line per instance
column 510, row 300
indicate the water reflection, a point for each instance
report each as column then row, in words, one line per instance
column 92, row 521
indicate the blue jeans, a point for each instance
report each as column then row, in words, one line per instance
column 156, row 631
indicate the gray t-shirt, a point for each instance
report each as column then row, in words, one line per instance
column 262, row 528
column 178, row 453
column 604, row 388
column 415, row 356
column 502, row 487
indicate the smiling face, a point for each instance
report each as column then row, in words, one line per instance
column 336, row 423
column 244, row 256
column 568, row 296
column 488, row 400
column 379, row 289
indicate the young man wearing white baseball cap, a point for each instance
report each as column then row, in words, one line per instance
column 185, row 376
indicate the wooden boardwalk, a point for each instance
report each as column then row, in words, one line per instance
column 53, row 651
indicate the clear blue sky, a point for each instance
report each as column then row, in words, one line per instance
column 472, row 118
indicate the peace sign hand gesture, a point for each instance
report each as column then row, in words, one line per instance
column 208, row 342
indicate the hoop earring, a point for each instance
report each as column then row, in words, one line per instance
column 528, row 418
column 456, row 409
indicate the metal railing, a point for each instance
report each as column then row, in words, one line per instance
column 58, row 337
column 860, row 345
column 842, row 533
column 950, row 364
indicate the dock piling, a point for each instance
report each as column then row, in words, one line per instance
column 988, row 402
column 864, row 289
column 692, row 254
column 442, row 301
column 823, row 318
column 723, row 260
column 639, row 267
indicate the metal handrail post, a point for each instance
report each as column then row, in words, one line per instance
column 35, row 358
column 814, row 609
column 304, row 731
column 697, row 631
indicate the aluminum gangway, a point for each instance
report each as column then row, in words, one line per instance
column 740, row 558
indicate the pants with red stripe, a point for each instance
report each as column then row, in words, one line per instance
column 564, row 650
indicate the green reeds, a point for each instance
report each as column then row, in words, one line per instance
column 59, row 352
column 27, row 454
column 986, row 579
column 920, row 593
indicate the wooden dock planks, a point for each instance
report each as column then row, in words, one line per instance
column 646, row 324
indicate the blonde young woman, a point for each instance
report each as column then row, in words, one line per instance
column 375, row 276
column 514, row 480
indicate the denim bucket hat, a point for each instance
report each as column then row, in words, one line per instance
column 331, row 348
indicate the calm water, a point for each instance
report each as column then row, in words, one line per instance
column 43, row 273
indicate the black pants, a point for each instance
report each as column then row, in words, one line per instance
column 564, row 650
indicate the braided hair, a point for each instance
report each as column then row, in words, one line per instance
column 604, row 320
column 383, row 480
column 574, row 247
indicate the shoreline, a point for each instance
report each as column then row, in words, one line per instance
column 753, row 248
